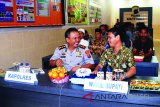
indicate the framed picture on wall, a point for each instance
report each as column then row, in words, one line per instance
column 77, row 12
column 94, row 11
column 25, row 10
column 6, row 11
column 42, row 7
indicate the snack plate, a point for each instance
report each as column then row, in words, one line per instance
column 145, row 85
column 138, row 58
column 2, row 74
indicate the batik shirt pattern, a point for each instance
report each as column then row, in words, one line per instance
column 122, row 60
column 97, row 47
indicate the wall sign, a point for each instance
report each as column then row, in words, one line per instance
column 136, row 14
column 142, row 17
column 19, row 77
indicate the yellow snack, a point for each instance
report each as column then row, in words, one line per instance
column 57, row 73
column 50, row 74
column 61, row 75
column 54, row 75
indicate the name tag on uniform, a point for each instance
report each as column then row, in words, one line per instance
column 19, row 77
column 63, row 56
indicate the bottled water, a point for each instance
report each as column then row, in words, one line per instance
column 100, row 74
column 109, row 74
column 21, row 67
column 107, row 46
column 24, row 68
column 27, row 68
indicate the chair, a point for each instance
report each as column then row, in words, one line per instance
column 45, row 62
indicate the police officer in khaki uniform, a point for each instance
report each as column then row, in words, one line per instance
column 72, row 55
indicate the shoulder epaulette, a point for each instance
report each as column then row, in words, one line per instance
column 82, row 46
column 61, row 47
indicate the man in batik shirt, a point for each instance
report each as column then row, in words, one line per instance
column 97, row 47
column 117, row 56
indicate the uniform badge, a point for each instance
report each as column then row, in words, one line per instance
column 79, row 54
column 63, row 56
column 87, row 52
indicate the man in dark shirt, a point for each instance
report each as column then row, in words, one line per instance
column 104, row 29
column 143, row 45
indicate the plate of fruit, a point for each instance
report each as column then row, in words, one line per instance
column 58, row 75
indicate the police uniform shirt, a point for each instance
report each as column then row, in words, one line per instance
column 80, row 56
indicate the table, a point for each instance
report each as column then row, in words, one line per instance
column 47, row 94
column 148, row 68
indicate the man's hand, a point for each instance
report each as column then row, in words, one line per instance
column 141, row 53
column 134, row 51
column 59, row 63
column 97, row 68
column 95, row 72
column 123, row 76
column 150, row 52
column 75, row 68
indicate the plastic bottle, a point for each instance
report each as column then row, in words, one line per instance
column 27, row 68
column 21, row 67
column 100, row 74
column 109, row 74
column 107, row 46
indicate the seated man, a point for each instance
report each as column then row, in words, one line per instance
column 81, row 35
column 104, row 29
column 117, row 56
column 97, row 47
column 72, row 55
column 143, row 45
